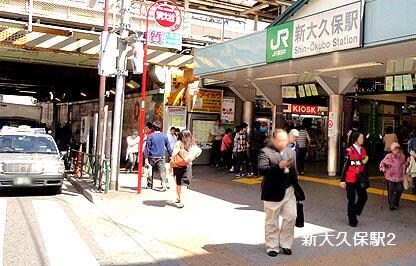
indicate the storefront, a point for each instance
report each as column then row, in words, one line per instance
column 335, row 45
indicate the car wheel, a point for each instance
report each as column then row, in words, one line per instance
column 56, row 190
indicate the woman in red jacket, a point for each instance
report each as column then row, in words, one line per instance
column 356, row 158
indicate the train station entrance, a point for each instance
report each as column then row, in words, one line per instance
column 336, row 51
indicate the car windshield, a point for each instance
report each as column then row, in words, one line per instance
column 27, row 144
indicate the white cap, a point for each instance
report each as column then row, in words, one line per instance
column 294, row 132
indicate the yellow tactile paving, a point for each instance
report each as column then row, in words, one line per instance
column 332, row 182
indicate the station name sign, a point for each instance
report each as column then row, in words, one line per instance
column 332, row 30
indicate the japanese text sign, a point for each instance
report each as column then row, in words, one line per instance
column 165, row 38
column 207, row 101
column 332, row 30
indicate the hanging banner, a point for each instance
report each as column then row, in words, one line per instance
column 389, row 83
column 204, row 100
column 289, row 92
column 301, row 91
column 398, row 83
column 308, row 90
column 332, row 30
column 228, row 110
column 407, row 82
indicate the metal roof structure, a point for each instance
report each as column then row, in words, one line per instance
column 263, row 10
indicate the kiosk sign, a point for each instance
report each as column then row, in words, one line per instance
column 304, row 109
column 328, row 31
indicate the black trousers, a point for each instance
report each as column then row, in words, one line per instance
column 215, row 158
column 301, row 161
column 239, row 160
column 254, row 161
column 395, row 191
column 227, row 158
column 158, row 167
column 355, row 207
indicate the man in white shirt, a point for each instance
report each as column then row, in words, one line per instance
column 172, row 137
column 132, row 150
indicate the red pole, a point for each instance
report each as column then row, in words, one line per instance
column 142, row 111
column 144, row 86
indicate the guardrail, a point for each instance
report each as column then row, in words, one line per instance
column 85, row 165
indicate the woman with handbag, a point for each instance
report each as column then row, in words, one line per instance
column 354, row 177
column 184, row 152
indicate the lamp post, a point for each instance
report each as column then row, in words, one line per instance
column 144, row 77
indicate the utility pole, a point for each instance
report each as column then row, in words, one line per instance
column 101, row 101
column 119, row 97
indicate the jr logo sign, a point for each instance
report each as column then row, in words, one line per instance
column 279, row 42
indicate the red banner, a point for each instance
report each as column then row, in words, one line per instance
column 304, row 109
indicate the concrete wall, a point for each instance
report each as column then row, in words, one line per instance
column 249, row 50
column 389, row 21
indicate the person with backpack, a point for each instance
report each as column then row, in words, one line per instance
column 257, row 142
column 184, row 152
column 392, row 166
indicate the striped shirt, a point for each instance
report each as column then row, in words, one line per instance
column 302, row 140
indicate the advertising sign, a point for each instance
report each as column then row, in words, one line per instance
column 165, row 38
column 398, row 83
column 407, row 82
column 308, row 90
column 289, row 92
column 332, row 120
column 314, row 90
column 332, row 30
column 304, row 109
column 168, row 16
column 175, row 116
column 228, row 110
column 205, row 100
column 389, row 83
column 301, row 91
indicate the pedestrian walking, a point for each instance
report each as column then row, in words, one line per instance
column 393, row 166
column 279, row 192
column 411, row 148
column 241, row 146
column 354, row 177
column 216, row 134
column 355, row 128
column 257, row 142
column 156, row 145
column 293, row 144
column 172, row 137
column 227, row 148
column 184, row 152
column 132, row 150
column 304, row 141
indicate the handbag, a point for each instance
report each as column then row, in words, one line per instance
column 180, row 159
column 300, row 218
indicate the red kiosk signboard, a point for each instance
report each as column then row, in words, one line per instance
column 301, row 109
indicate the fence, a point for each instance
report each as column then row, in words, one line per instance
column 85, row 165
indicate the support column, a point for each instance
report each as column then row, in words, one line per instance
column 334, row 134
column 248, row 113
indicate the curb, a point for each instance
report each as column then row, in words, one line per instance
column 85, row 189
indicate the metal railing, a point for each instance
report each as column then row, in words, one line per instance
column 85, row 165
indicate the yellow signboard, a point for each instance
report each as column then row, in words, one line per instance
column 205, row 100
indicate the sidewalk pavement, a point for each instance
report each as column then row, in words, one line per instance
column 223, row 224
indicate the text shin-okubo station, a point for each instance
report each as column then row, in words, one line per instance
column 327, row 64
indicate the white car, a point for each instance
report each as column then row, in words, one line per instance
column 30, row 158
